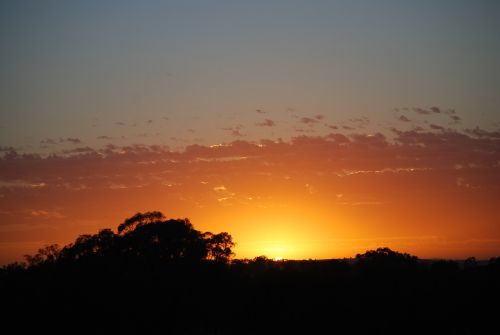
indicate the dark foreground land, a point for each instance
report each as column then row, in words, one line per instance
column 163, row 277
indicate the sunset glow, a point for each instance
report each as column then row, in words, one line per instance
column 303, row 131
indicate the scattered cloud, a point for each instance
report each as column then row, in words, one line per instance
column 50, row 141
column 478, row 132
column 308, row 120
column 404, row 118
column 80, row 150
column 104, row 137
column 46, row 214
column 234, row 131
column 266, row 123
column 260, row 111
column 436, row 127
column 73, row 140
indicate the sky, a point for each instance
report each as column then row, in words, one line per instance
column 313, row 129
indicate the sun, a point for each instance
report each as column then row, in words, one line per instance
column 278, row 258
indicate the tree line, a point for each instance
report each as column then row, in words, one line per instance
column 162, row 276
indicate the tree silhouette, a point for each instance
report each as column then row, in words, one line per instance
column 138, row 220
column 162, row 276
column 47, row 254
column 219, row 246
column 149, row 236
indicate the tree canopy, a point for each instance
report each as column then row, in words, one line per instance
column 144, row 235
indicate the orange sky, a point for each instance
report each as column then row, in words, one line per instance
column 306, row 129
column 429, row 193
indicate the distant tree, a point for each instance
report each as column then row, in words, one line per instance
column 168, row 240
column 138, row 220
column 219, row 246
column 470, row 263
column 385, row 258
column 47, row 254
column 147, row 236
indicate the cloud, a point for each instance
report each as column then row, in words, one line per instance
column 404, row 118
column 266, row 123
column 319, row 117
column 308, row 120
column 104, row 137
column 339, row 138
column 234, row 131
column 455, row 118
column 80, row 150
column 421, row 165
column 302, row 130
column 49, row 141
column 73, row 140
column 46, row 214
column 436, row 127
column 260, row 111
column 120, row 123
column 481, row 133
column 423, row 111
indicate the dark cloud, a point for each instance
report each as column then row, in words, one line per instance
column 120, row 123
column 80, row 150
column 436, row 127
column 6, row 149
column 361, row 120
column 149, row 121
column 72, row 140
column 319, row 117
column 339, row 138
column 422, row 111
column 235, row 131
column 308, row 120
column 435, row 110
column 266, row 123
column 478, row 132
column 49, row 141
column 404, row 118
column 260, row 111
column 332, row 126
column 302, row 130
column 104, row 137
column 455, row 118
column 347, row 128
